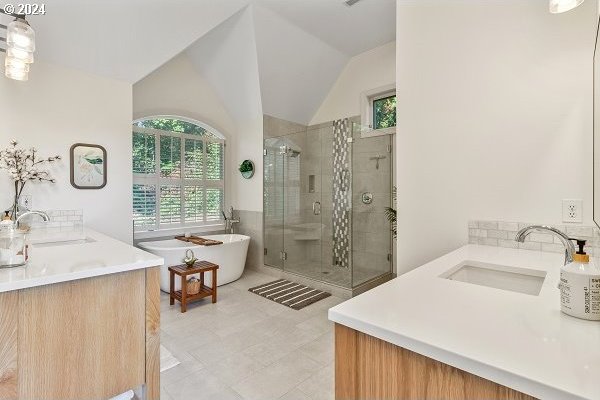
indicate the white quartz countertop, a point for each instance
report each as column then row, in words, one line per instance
column 66, row 261
column 517, row 340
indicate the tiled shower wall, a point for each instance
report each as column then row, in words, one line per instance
column 502, row 234
column 370, row 228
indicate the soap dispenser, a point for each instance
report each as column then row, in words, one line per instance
column 580, row 286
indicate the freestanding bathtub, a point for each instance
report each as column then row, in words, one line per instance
column 230, row 256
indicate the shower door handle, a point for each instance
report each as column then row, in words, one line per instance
column 317, row 208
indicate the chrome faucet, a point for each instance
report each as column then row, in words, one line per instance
column 13, row 244
column 230, row 221
column 42, row 214
column 566, row 241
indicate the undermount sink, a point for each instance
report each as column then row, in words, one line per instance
column 63, row 243
column 515, row 279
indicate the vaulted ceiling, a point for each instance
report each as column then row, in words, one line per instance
column 127, row 40
column 297, row 60
column 281, row 56
column 124, row 40
column 351, row 30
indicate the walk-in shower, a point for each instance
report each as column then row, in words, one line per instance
column 325, row 194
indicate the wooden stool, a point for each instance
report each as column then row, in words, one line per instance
column 184, row 271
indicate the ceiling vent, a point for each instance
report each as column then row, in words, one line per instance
column 350, row 3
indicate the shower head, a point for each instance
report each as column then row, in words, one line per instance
column 293, row 153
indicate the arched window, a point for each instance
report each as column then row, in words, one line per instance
column 178, row 174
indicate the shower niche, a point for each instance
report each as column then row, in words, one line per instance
column 315, row 222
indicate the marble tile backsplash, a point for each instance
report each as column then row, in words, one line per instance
column 63, row 225
column 502, row 234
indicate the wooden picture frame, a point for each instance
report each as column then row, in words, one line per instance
column 88, row 166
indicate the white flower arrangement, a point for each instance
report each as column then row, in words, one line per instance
column 24, row 166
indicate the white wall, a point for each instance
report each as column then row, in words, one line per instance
column 56, row 108
column 226, row 57
column 297, row 69
column 369, row 70
column 494, row 118
column 176, row 88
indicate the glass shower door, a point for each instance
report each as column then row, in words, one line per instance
column 302, row 204
column 373, row 187
column 273, row 201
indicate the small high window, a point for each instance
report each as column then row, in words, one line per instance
column 178, row 174
column 384, row 112
column 378, row 111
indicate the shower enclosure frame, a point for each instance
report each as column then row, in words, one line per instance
column 282, row 262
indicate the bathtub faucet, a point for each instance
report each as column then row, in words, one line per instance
column 230, row 221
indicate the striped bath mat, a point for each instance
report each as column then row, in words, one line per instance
column 289, row 294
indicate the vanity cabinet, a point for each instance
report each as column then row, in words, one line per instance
column 90, row 338
column 370, row 368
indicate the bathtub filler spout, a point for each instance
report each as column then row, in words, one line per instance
column 230, row 221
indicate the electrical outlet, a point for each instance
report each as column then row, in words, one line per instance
column 572, row 210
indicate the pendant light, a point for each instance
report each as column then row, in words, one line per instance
column 561, row 6
column 20, row 45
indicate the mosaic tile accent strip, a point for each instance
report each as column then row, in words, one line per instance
column 341, row 193
column 502, row 234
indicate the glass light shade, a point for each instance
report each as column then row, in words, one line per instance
column 15, row 64
column 20, row 36
column 16, row 74
column 561, row 6
column 24, row 56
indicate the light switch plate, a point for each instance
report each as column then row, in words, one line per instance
column 572, row 210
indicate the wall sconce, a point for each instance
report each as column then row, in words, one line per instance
column 20, row 45
column 561, row 6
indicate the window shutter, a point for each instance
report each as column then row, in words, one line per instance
column 194, row 204
column 194, row 158
column 170, row 157
column 170, row 205
column 144, row 153
column 214, row 204
column 144, row 207
column 178, row 175
column 214, row 161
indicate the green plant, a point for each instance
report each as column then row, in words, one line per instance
column 246, row 166
column 391, row 214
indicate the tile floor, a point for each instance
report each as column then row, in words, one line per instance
column 247, row 347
